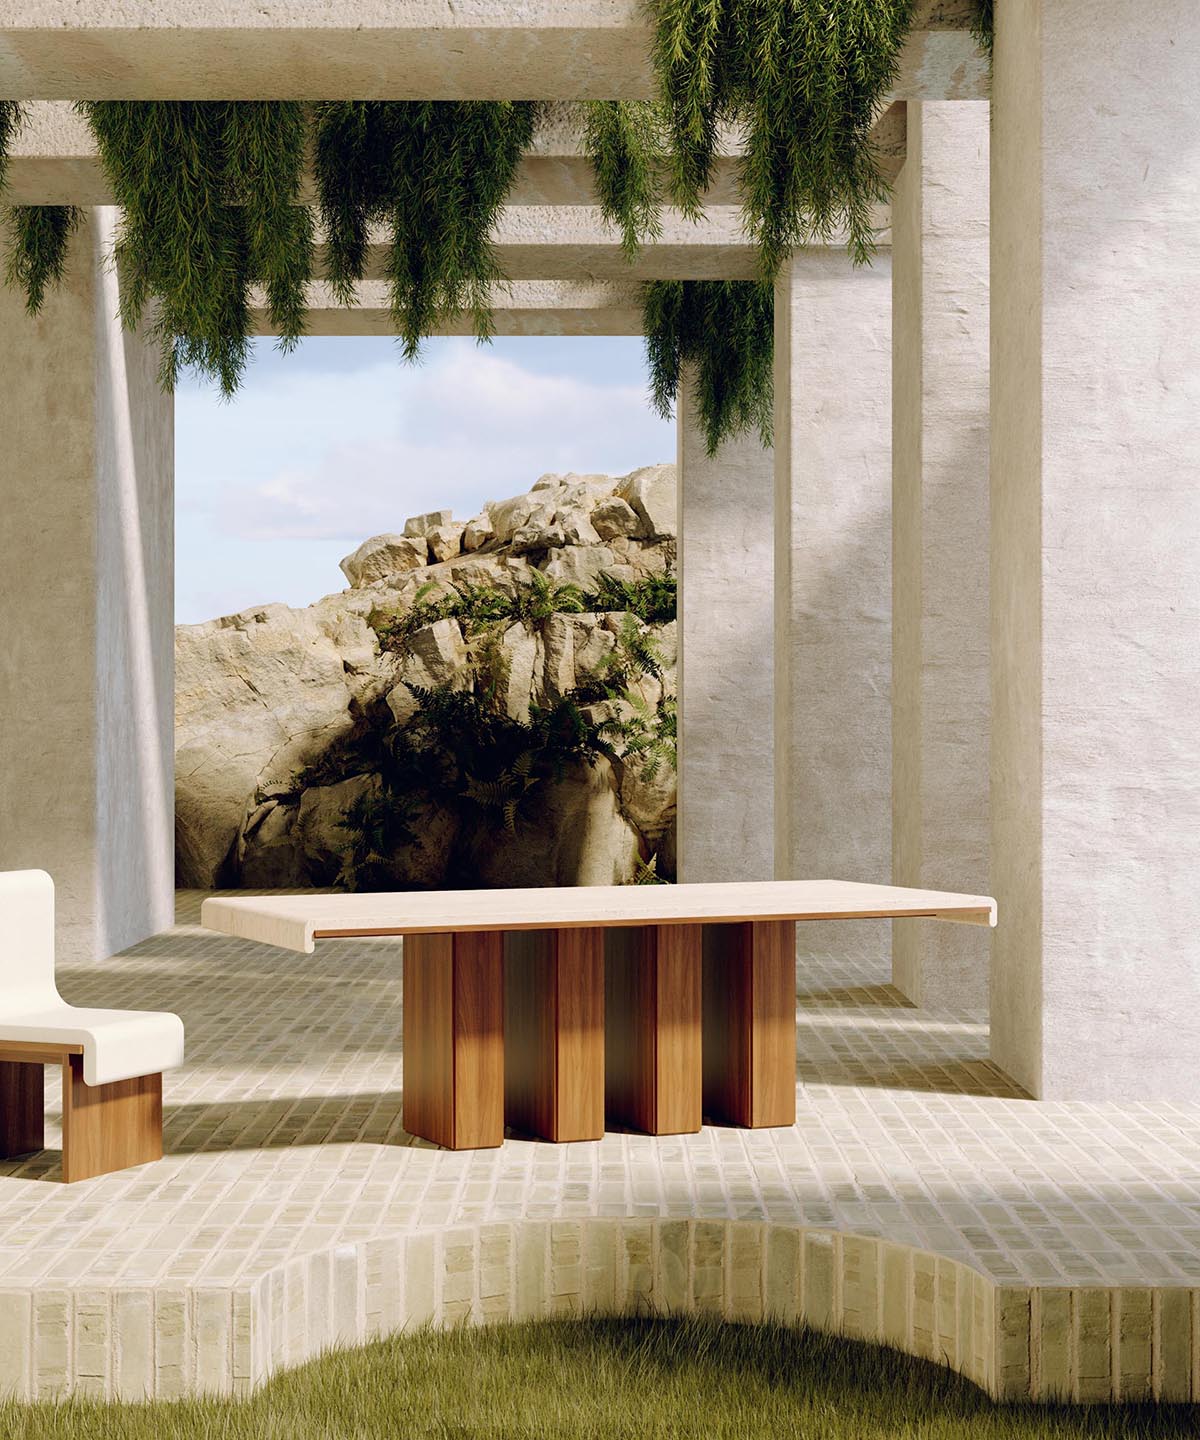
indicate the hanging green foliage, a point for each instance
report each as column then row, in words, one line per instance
column 806, row 80
column 627, row 145
column 984, row 28
column 38, row 239
column 11, row 118
column 723, row 330
column 210, row 195
column 436, row 173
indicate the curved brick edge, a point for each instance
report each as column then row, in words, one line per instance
column 1015, row 1342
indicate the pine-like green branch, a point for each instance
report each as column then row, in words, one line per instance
column 626, row 142
column 38, row 240
column 723, row 331
column 806, row 79
column 436, row 173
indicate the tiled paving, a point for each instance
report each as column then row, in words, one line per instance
column 292, row 1210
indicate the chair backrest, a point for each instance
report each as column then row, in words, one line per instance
column 26, row 941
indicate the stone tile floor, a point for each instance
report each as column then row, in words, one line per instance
column 283, row 1136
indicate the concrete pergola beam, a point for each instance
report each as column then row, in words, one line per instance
column 527, row 307
column 375, row 49
column 53, row 161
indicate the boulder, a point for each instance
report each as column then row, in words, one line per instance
column 269, row 855
column 575, row 527
column 417, row 526
column 258, row 696
column 478, row 532
column 578, row 564
column 536, row 536
column 435, row 655
column 509, row 516
column 580, row 837
column 318, row 830
column 650, row 493
column 384, row 555
column 614, row 517
column 444, row 541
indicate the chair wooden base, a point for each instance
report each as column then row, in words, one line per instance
column 652, row 1028
column 454, row 1038
column 750, row 1022
column 105, row 1127
column 554, row 1033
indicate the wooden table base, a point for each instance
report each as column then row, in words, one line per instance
column 22, row 1106
column 652, row 1028
column 750, row 1022
column 454, row 1038
column 554, row 1033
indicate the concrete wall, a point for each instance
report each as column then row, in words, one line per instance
column 86, row 576
column 941, row 699
column 1096, row 547
column 725, row 823
column 833, row 577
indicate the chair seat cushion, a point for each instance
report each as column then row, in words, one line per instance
column 117, row 1044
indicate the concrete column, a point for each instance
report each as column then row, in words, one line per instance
column 725, row 825
column 1096, row 548
column 833, row 579
column 940, row 676
column 86, row 575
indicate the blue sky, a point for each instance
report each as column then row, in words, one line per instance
column 342, row 440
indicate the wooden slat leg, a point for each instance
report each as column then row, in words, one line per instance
column 750, row 1022
column 554, row 1033
column 22, row 1108
column 454, row 1038
column 109, row 1127
column 652, row 1028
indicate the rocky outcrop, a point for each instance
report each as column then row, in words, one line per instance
column 274, row 704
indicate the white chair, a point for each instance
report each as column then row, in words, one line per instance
column 112, row 1060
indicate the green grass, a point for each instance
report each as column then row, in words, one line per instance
column 603, row 1380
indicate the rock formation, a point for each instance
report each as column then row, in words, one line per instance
column 282, row 714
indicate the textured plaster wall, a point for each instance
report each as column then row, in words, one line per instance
column 725, row 825
column 833, row 579
column 86, row 699
column 940, row 651
column 1096, row 548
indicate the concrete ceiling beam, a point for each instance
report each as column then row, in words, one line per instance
column 376, row 49
column 527, row 307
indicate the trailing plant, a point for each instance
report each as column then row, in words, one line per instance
column 626, row 143
column 984, row 28
column 436, row 173
column 38, row 240
column 210, row 196
column 11, row 118
column 805, row 79
column 724, row 331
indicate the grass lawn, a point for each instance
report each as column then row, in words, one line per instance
column 603, row 1380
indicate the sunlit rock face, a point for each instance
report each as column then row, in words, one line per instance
column 271, row 702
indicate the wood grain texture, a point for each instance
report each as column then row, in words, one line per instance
column 554, row 1033
column 22, row 1107
column 750, row 1023
column 652, row 1028
column 108, row 1127
column 41, row 1052
column 454, row 1039
column 295, row 922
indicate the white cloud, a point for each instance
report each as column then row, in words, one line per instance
column 340, row 455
